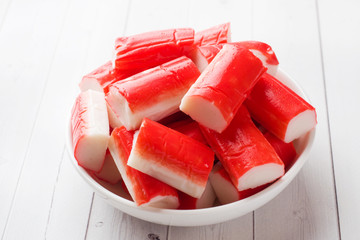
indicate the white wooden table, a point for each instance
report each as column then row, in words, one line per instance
column 45, row 48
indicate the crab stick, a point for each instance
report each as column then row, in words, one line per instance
column 224, row 189
column 146, row 50
column 214, row 35
column 90, row 129
column 280, row 110
column 244, row 152
column 171, row 157
column 154, row 93
column 217, row 94
column 286, row 151
column 189, row 128
column 264, row 52
column 203, row 55
column 145, row 190
column 109, row 172
column 101, row 78
column 206, row 200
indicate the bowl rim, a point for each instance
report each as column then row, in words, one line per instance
column 269, row 193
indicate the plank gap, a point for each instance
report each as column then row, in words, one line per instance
column 53, row 194
column 90, row 211
column 327, row 112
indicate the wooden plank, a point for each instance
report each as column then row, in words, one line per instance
column 340, row 44
column 307, row 208
column 44, row 188
column 4, row 7
column 109, row 223
column 27, row 45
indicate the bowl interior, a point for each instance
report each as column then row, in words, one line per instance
column 117, row 197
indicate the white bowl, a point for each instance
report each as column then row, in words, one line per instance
column 205, row 216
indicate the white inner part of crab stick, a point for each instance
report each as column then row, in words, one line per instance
column 92, row 146
column 204, row 112
column 114, row 121
column 90, row 83
column 299, row 125
column 271, row 68
column 207, row 199
column 200, row 61
column 162, row 202
column 260, row 175
column 132, row 120
column 224, row 189
column 162, row 173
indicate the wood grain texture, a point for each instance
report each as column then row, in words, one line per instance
column 27, row 45
column 340, row 43
column 307, row 208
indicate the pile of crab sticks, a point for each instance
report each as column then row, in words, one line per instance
column 172, row 116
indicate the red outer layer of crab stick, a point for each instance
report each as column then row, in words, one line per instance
column 171, row 157
column 286, row 151
column 90, row 129
column 189, row 128
column 206, row 200
column 264, row 52
column 146, row 50
column 145, row 190
column 280, row 110
column 224, row 189
column 154, row 93
column 217, row 94
column 109, row 172
column 214, row 35
column 247, row 156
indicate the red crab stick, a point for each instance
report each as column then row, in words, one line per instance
column 286, row 151
column 224, row 189
column 217, row 94
column 189, row 128
column 90, row 129
column 146, row 50
column 145, row 190
column 155, row 93
column 109, row 172
column 214, row 35
column 206, row 200
column 244, row 152
column 171, row 157
column 280, row 110
column 264, row 52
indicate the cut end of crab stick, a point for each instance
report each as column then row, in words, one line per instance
column 280, row 110
column 109, row 172
column 171, row 157
column 300, row 124
column 217, row 94
column 264, row 52
column 206, row 200
column 114, row 120
column 90, row 129
column 245, row 153
column 101, row 78
column 286, row 151
column 225, row 191
column 145, row 190
column 154, row 93
column 203, row 55
column 214, row 35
